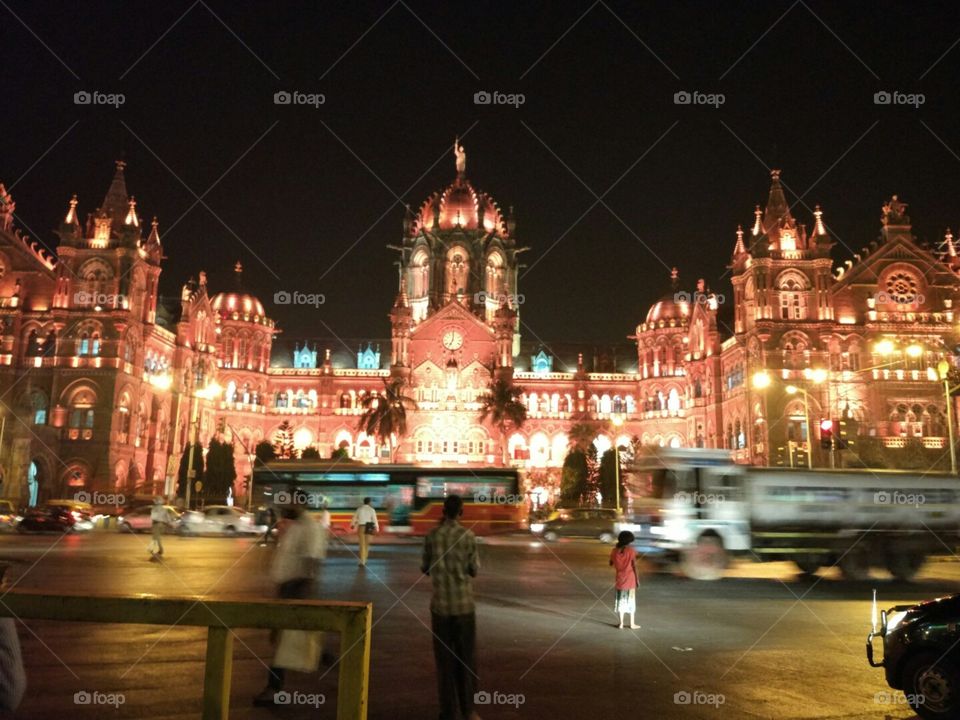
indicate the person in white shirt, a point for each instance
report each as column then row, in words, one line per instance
column 366, row 524
column 159, row 518
column 295, row 571
column 13, row 677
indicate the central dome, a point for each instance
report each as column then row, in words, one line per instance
column 460, row 206
column 239, row 304
column 669, row 307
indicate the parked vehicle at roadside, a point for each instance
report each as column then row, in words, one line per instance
column 138, row 519
column 599, row 523
column 920, row 655
column 54, row 518
column 9, row 516
column 219, row 520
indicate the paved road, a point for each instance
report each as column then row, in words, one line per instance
column 762, row 643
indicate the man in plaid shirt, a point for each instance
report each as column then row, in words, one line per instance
column 450, row 559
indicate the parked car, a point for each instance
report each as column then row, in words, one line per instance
column 920, row 655
column 600, row 523
column 9, row 517
column 139, row 520
column 219, row 520
column 54, row 518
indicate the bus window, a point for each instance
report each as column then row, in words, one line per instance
column 728, row 486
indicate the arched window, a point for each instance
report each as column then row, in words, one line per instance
column 80, row 417
column 673, row 401
column 457, row 270
column 34, row 344
column 123, row 417
column 792, row 290
column 419, row 274
column 38, row 404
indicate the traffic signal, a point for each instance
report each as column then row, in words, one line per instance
column 846, row 433
column 826, row 434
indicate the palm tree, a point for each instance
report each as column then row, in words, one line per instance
column 385, row 414
column 502, row 406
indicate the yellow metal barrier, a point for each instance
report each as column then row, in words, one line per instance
column 351, row 619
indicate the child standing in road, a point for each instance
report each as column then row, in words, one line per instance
column 623, row 559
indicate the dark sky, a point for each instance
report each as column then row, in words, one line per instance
column 308, row 198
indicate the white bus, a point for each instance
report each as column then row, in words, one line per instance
column 701, row 507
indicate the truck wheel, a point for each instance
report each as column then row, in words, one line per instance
column 607, row 538
column 855, row 565
column 932, row 686
column 706, row 561
column 904, row 565
column 809, row 564
column 550, row 536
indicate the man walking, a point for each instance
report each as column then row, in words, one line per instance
column 366, row 524
column 159, row 518
column 294, row 570
column 450, row 559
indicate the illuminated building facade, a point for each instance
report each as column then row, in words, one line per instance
column 102, row 387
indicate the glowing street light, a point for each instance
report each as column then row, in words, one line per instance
column 817, row 375
column 884, row 347
column 761, row 380
column 211, row 391
column 914, row 351
column 162, row 382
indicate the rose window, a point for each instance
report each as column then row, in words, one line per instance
column 902, row 288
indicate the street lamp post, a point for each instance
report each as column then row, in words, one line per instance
column 762, row 380
column 210, row 392
column 617, row 422
column 943, row 370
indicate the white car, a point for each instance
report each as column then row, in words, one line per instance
column 219, row 520
column 138, row 519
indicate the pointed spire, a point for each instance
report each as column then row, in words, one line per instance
column 757, row 224
column 154, row 237
column 115, row 201
column 71, row 218
column 238, row 275
column 131, row 218
column 949, row 250
column 402, row 299
column 819, row 228
column 777, row 207
column 152, row 246
column 674, row 279
column 739, row 248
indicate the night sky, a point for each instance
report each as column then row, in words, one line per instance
column 308, row 198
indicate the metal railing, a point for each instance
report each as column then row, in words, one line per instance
column 220, row 616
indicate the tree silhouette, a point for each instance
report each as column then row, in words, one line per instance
column 502, row 406
column 385, row 415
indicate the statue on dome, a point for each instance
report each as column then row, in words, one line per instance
column 894, row 213
column 461, row 156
